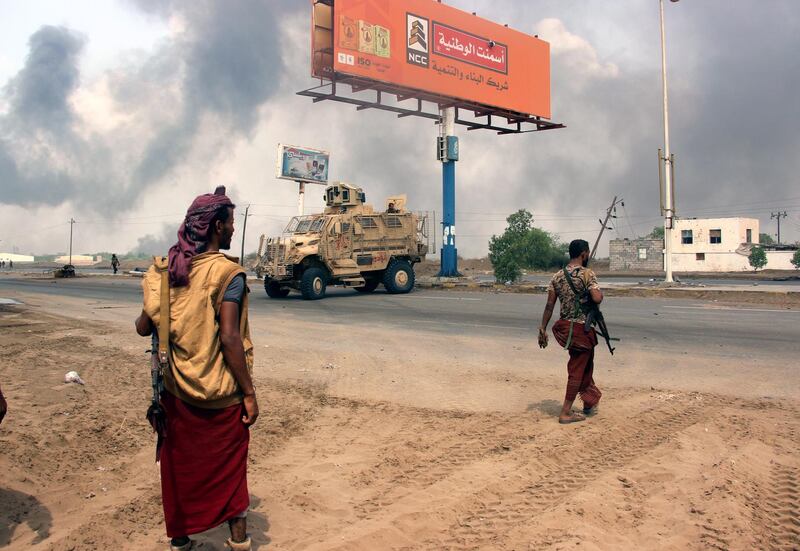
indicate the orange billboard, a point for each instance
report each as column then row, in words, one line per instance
column 431, row 47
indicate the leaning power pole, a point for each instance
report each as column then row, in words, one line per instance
column 778, row 215
column 604, row 223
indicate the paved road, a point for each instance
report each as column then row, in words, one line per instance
column 794, row 283
column 669, row 325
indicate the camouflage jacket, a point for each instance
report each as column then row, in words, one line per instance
column 582, row 278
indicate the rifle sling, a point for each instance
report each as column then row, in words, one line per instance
column 575, row 306
column 163, row 315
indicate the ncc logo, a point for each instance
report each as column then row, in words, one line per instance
column 417, row 40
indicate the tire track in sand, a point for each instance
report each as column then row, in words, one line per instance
column 490, row 522
column 782, row 510
column 477, row 437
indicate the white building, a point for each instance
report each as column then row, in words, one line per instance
column 13, row 257
column 720, row 245
column 79, row 259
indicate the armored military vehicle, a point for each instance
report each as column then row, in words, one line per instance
column 349, row 244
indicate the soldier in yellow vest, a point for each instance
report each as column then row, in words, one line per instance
column 209, row 397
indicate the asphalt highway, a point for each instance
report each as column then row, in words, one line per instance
column 663, row 325
column 788, row 282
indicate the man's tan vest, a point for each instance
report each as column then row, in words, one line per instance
column 198, row 374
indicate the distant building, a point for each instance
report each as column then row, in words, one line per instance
column 13, row 257
column 713, row 244
column 636, row 255
column 700, row 245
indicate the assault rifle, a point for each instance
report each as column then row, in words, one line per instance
column 594, row 316
column 156, row 415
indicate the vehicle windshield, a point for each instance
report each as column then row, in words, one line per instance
column 304, row 224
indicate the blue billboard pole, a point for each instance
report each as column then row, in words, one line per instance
column 448, row 154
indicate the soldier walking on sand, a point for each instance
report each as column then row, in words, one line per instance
column 572, row 285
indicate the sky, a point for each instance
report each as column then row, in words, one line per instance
column 117, row 113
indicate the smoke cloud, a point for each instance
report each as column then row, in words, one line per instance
column 202, row 88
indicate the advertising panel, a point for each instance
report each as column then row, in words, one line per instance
column 435, row 48
column 302, row 164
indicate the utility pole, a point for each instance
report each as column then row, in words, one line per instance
column 669, row 213
column 604, row 223
column 778, row 215
column 71, row 223
column 244, row 231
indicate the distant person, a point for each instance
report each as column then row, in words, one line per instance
column 569, row 330
column 3, row 406
column 391, row 209
column 209, row 399
column 114, row 263
column 11, row 264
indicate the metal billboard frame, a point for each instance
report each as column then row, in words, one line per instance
column 514, row 123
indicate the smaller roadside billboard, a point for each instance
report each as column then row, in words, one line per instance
column 302, row 164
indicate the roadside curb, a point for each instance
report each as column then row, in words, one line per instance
column 764, row 297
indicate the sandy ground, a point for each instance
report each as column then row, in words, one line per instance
column 372, row 438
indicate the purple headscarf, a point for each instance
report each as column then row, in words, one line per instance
column 193, row 234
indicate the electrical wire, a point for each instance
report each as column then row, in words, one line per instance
column 628, row 220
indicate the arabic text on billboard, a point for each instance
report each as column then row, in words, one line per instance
column 307, row 165
column 431, row 47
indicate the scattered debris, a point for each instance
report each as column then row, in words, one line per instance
column 328, row 366
column 625, row 482
column 73, row 377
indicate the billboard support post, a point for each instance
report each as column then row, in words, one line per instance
column 449, row 253
column 301, row 198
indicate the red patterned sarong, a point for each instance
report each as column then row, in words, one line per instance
column 581, row 362
column 203, row 466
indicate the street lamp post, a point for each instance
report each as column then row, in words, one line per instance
column 669, row 213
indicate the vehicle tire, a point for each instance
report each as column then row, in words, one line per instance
column 313, row 283
column 274, row 289
column 398, row 277
column 369, row 286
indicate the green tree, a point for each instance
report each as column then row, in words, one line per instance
column 765, row 239
column 757, row 258
column 523, row 246
column 796, row 259
column 657, row 233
